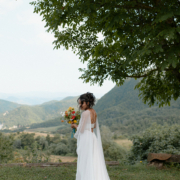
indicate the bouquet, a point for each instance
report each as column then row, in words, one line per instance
column 71, row 117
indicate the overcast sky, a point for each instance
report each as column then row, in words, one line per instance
column 28, row 61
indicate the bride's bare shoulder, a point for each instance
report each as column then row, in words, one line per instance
column 86, row 112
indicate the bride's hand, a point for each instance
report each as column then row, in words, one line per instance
column 74, row 126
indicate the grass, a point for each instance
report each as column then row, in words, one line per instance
column 124, row 143
column 122, row 172
column 55, row 158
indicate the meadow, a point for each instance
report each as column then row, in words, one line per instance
column 121, row 172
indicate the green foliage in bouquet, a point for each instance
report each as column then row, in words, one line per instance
column 156, row 139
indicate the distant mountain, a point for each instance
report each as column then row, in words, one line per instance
column 26, row 115
column 7, row 106
column 30, row 100
column 123, row 111
column 68, row 98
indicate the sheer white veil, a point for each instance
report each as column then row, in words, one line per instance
column 85, row 148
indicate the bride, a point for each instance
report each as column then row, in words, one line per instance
column 90, row 163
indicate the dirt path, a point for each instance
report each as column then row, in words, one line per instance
column 54, row 158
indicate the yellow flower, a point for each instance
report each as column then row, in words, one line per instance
column 69, row 109
column 75, row 121
column 69, row 122
column 140, row 161
column 72, row 109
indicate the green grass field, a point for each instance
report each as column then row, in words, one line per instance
column 122, row 172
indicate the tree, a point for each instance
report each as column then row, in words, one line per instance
column 141, row 39
column 27, row 140
column 48, row 139
column 6, row 148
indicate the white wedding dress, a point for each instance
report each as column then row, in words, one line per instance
column 90, row 163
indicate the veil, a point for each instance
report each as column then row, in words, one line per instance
column 89, row 150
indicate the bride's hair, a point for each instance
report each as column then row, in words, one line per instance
column 87, row 97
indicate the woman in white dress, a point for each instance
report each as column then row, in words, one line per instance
column 90, row 163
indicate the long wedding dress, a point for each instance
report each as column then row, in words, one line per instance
column 90, row 163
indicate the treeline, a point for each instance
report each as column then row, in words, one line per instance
column 124, row 113
column 49, row 123
column 135, row 122
column 32, row 148
column 155, row 139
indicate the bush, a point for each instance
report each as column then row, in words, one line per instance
column 72, row 145
column 58, row 149
column 27, row 140
column 112, row 151
column 61, row 149
column 156, row 139
column 17, row 144
column 35, row 156
column 6, row 148
column 56, row 139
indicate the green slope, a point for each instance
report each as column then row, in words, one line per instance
column 7, row 106
column 124, row 112
column 26, row 115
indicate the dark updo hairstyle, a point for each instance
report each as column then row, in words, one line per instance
column 87, row 97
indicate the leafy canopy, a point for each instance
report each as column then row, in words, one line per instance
column 141, row 39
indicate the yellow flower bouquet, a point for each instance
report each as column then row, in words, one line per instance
column 71, row 117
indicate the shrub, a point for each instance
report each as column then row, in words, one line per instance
column 61, row 149
column 72, row 145
column 58, row 149
column 112, row 151
column 156, row 139
column 6, row 148
column 56, row 139
column 27, row 140
column 17, row 144
column 64, row 141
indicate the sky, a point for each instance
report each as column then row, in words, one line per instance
column 29, row 65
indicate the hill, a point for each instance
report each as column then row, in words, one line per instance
column 123, row 111
column 26, row 115
column 7, row 106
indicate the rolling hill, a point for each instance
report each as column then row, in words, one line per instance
column 123, row 111
column 120, row 109
column 26, row 115
column 7, row 106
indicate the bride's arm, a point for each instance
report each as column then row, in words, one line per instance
column 83, row 121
